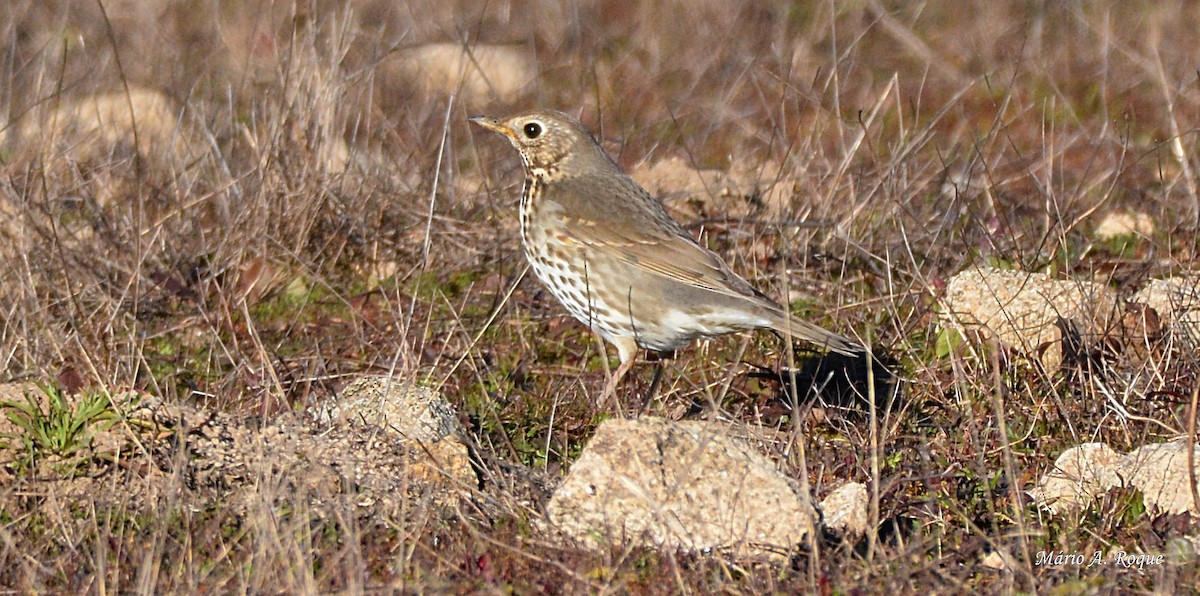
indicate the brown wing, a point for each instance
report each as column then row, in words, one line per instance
column 619, row 218
column 636, row 229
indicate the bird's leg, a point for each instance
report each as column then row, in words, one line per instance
column 603, row 354
column 610, row 389
column 627, row 350
column 654, row 383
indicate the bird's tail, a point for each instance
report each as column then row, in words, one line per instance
column 797, row 329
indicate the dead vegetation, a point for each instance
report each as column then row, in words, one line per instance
column 237, row 209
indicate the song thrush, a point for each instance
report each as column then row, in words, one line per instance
column 614, row 257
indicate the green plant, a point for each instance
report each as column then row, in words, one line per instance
column 947, row 342
column 54, row 426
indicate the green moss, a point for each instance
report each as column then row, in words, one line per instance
column 290, row 302
column 174, row 360
column 1125, row 246
column 804, row 307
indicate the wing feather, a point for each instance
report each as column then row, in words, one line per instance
column 642, row 235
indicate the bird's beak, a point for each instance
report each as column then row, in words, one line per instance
column 493, row 125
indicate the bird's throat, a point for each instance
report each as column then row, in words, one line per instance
column 531, row 192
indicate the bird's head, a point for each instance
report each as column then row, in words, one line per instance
column 547, row 140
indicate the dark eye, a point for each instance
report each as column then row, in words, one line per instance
column 532, row 130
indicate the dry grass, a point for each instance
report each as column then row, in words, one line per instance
column 303, row 213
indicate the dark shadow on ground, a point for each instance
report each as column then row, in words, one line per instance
column 836, row 380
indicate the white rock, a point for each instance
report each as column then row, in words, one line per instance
column 410, row 412
column 1118, row 224
column 1080, row 475
column 1000, row 560
column 674, row 177
column 845, row 510
column 718, row 193
column 1022, row 310
column 679, row 485
column 1177, row 302
column 476, row 74
column 92, row 127
column 1160, row 472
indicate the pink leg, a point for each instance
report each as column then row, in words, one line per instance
column 627, row 350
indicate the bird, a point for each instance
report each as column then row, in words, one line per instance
column 612, row 255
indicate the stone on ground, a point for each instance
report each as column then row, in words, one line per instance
column 679, row 485
column 1083, row 473
column 845, row 510
column 1023, row 311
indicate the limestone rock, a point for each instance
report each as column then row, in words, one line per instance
column 415, row 416
column 1000, row 560
column 845, row 510
column 114, row 137
column 204, row 457
column 476, row 73
column 684, row 485
column 1022, row 310
column 320, row 465
column 768, row 182
column 673, row 176
column 408, row 411
column 1159, row 471
column 95, row 126
column 1079, row 475
column 1177, row 302
column 1122, row 223
column 745, row 188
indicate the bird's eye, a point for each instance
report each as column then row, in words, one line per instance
column 532, row 130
